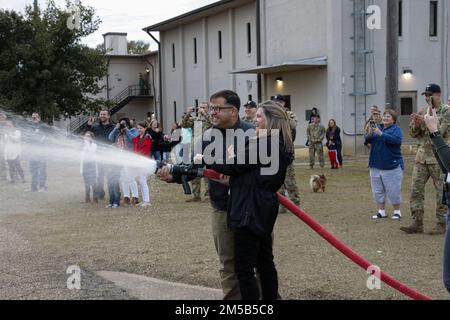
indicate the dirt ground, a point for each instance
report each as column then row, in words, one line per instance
column 41, row 234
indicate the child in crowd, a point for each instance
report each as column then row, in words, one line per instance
column 88, row 166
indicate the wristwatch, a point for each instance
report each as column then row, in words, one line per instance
column 435, row 134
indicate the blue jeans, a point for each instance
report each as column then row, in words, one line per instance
column 447, row 255
column 38, row 171
column 339, row 154
column 99, row 190
column 156, row 155
column 114, row 186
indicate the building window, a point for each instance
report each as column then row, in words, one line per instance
column 173, row 56
column 408, row 102
column 196, row 103
column 175, row 111
column 250, row 97
column 407, row 106
column 220, row 45
column 433, row 18
column 249, row 38
column 195, row 50
column 400, row 18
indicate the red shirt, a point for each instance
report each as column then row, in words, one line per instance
column 143, row 147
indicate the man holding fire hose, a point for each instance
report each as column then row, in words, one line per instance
column 252, row 208
column 225, row 107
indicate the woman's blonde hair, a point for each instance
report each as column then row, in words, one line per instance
column 277, row 119
column 152, row 122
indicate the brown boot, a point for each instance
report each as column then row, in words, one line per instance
column 195, row 199
column 416, row 227
column 126, row 201
column 438, row 229
column 134, row 201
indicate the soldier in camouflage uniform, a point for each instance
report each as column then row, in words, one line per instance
column 426, row 165
column 188, row 121
column 316, row 133
column 290, row 184
column 375, row 115
column 250, row 112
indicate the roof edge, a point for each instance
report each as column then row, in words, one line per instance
column 115, row 34
column 150, row 53
column 160, row 25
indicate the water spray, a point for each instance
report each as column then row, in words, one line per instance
column 52, row 144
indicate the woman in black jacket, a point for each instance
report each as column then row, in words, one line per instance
column 253, row 200
column 157, row 140
column 334, row 144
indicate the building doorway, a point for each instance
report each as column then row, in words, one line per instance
column 408, row 106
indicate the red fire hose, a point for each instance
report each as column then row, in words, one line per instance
column 394, row 283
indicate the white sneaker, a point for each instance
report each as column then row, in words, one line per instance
column 396, row 216
column 378, row 216
column 145, row 204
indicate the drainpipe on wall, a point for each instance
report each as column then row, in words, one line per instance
column 258, row 47
column 107, row 78
column 159, row 113
column 153, row 76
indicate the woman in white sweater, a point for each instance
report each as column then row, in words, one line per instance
column 13, row 152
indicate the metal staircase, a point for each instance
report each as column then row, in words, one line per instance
column 364, row 65
column 119, row 101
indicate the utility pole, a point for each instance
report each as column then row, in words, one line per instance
column 392, row 98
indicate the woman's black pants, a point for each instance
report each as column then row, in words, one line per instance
column 254, row 254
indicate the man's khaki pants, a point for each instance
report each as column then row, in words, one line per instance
column 224, row 243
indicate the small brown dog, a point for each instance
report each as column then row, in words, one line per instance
column 317, row 182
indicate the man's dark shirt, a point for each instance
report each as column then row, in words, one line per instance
column 101, row 131
column 219, row 193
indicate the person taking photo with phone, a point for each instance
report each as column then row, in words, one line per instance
column 386, row 164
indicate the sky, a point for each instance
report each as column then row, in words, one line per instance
column 129, row 16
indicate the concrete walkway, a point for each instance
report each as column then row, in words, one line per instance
column 145, row 288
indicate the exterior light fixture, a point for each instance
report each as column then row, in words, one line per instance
column 407, row 73
column 279, row 79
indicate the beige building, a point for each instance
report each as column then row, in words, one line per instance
column 132, row 83
column 132, row 80
column 319, row 53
